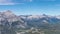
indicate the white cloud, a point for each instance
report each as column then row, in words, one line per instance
column 6, row 2
column 10, row 2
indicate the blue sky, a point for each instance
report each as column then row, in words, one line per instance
column 31, row 7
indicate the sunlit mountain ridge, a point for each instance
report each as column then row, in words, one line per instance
column 9, row 21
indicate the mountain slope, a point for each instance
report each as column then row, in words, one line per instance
column 10, row 21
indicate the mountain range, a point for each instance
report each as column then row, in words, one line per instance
column 27, row 20
column 9, row 20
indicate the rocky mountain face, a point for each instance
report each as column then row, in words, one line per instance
column 40, row 20
column 12, row 22
column 24, row 21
